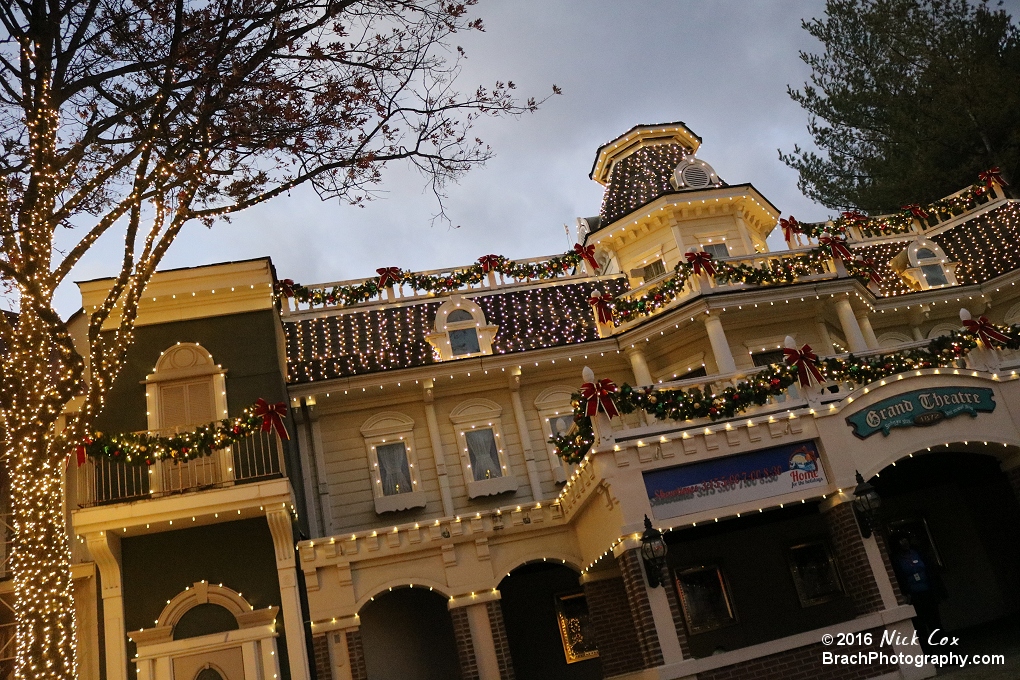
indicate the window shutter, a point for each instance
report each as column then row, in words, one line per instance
column 173, row 406
column 187, row 404
column 201, row 408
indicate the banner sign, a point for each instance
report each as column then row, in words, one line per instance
column 920, row 408
column 712, row 484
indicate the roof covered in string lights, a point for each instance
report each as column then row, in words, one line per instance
column 984, row 247
column 370, row 341
column 640, row 178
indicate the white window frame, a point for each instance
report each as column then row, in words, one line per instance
column 915, row 272
column 478, row 414
column 440, row 337
column 713, row 239
column 553, row 403
column 391, row 427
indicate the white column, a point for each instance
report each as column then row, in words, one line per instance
column 916, row 332
column 720, row 345
column 290, row 598
column 481, row 639
column 851, row 330
column 825, row 347
column 105, row 549
column 522, row 433
column 639, row 365
column 325, row 504
column 437, row 449
column 869, row 333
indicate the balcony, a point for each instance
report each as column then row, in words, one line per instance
column 255, row 458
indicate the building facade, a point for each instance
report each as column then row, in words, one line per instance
column 418, row 520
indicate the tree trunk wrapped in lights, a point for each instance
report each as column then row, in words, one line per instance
column 136, row 119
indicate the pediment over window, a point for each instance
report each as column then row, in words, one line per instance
column 460, row 330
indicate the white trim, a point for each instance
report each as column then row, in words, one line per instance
column 477, row 414
column 440, row 337
column 554, row 402
column 391, row 427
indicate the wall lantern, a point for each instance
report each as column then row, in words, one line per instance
column 653, row 550
column 866, row 504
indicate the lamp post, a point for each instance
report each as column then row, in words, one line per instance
column 866, row 504
column 653, row 551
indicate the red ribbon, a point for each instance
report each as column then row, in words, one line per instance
column 806, row 362
column 873, row 274
column 599, row 393
column 286, row 287
column 916, row 210
column 602, row 309
column 488, row 262
column 854, row 216
column 272, row 416
column 836, row 246
column 388, row 275
column 790, row 227
column 588, row 253
column 79, row 452
column 985, row 330
column 992, row 175
column 701, row 260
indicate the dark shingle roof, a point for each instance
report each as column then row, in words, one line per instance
column 393, row 338
column 640, row 178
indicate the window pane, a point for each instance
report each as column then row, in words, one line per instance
column 771, row 357
column 814, row 574
column 924, row 253
column 934, row 275
column 459, row 315
column 656, row 268
column 716, row 250
column 393, row 470
column 560, row 425
column 483, row 454
column 464, row 341
column 705, row 601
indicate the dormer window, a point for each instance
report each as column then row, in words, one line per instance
column 461, row 330
column 924, row 266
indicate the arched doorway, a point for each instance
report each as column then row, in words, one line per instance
column 546, row 621
column 957, row 512
column 407, row 634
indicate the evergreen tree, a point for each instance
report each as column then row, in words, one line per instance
column 908, row 102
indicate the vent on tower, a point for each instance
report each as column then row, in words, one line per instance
column 693, row 173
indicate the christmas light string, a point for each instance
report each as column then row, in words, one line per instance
column 680, row 404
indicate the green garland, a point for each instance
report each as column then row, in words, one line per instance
column 688, row 404
column 146, row 448
column 428, row 283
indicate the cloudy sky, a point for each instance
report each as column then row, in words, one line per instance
column 721, row 67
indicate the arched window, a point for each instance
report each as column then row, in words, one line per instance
column 186, row 388
column 924, row 265
column 389, row 441
column 461, row 330
column 208, row 674
column 483, row 453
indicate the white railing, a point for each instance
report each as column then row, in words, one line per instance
column 404, row 292
column 102, row 481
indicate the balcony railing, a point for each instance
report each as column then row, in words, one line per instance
column 104, row 481
column 405, row 293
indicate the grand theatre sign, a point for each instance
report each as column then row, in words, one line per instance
column 920, row 408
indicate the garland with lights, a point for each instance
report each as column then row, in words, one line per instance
column 681, row 404
column 147, row 448
column 342, row 296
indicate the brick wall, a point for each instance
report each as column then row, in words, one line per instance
column 465, row 646
column 678, row 616
column 615, row 634
column 854, row 566
column 804, row 663
column 356, row 654
column 506, row 664
column 320, row 649
column 883, row 547
column 631, row 566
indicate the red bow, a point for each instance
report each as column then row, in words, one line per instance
column 602, row 309
column 79, row 452
column 992, row 175
column 598, row 393
column 286, row 287
column 873, row 274
column 588, row 253
column 790, row 227
column 701, row 260
column 272, row 416
column 489, row 262
column 806, row 362
column 836, row 246
column 985, row 330
column 853, row 216
column 388, row 275
column 916, row 210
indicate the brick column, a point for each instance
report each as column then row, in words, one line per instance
column 500, row 641
column 883, row 547
column 356, row 654
column 640, row 608
column 615, row 633
column 465, row 646
column 320, row 661
column 854, row 565
column 678, row 617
